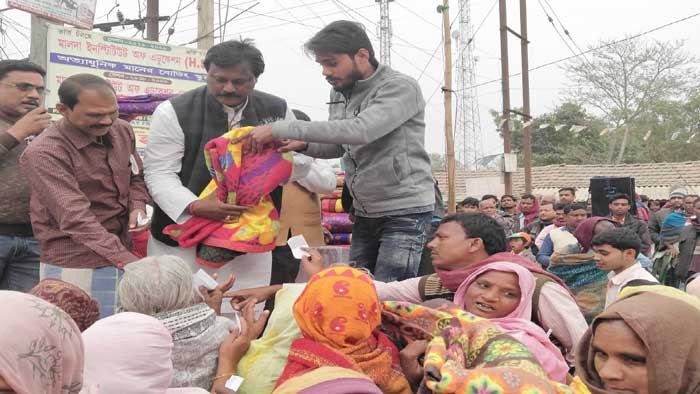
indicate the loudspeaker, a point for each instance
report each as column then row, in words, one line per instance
column 603, row 188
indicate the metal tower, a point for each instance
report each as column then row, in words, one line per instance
column 469, row 147
column 384, row 32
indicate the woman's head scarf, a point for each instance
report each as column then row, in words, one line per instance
column 662, row 318
column 41, row 350
column 78, row 304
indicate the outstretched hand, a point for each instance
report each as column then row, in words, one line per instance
column 254, row 142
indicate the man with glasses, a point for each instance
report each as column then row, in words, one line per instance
column 174, row 165
column 22, row 116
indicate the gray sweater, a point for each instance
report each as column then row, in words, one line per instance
column 378, row 130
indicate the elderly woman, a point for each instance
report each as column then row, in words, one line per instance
column 161, row 286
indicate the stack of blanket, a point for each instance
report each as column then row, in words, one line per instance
column 335, row 219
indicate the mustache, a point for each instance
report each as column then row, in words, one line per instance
column 31, row 102
column 229, row 95
column 101, row 126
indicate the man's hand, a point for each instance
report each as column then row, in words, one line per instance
column 256, row 139
column 411, row 362
column 292, row 146
column 32, row 123
column 239, row 298
column 214, row 297
column 313, row 264
column 136, row 221
column 210, row 207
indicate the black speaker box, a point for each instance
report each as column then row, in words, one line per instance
column 602, row 188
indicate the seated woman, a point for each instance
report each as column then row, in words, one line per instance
column 329, row 380
column 78, row 304
column 468, row 354
column 642, row 344
column 338, row 314
column 502, row 293
column 41, row 350
column 161, row 287
column 130, row 353
column 578, row 269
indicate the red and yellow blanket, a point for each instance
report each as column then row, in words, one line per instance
column 240, row 179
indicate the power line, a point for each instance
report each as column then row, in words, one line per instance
column 551, row 21
column 222, row 24
column 557, row 61
column 419, row 16
column 564, row 29
column 313, row 12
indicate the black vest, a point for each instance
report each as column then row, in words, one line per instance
column 202, row 119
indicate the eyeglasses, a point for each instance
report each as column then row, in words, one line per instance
column 27, row 87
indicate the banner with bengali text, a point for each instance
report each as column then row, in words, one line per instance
column 134, row 67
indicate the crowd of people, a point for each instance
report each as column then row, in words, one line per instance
column 510, row 295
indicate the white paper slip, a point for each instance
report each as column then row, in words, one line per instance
column 201, row 278
column 296, row 243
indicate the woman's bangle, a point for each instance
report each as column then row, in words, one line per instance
column 225, row 375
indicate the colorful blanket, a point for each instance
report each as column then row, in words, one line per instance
column 469, row 354
column 332, row 205
column 238, row 179
column 586, row 281
column 337, row 222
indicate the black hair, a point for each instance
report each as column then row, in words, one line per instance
column 469, row 202
column 341, row 37
column 478, row 225
column 644, row 197
column 620, row 196
column 571, row 189
column 7, row 66
column 619, row 238
column 512, row 197
column 527, row 197
column 489, row 196
column 234, row 52
column 559, row 206
column 72, row 86
column 301, row 115
column 574, row 207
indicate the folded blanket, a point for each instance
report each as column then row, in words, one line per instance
column 337, row 222
column 242, row 180
column 332, row 205
column 341, row 239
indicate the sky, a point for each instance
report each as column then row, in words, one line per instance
column 280, row 28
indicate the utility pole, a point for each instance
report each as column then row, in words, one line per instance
column 527, row 132
column 384, row 32
column 447, row 91
column 152, row 20
column 39, row 40
column 505, row 88
column 205, row 24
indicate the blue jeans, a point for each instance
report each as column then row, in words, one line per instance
column 19, row 263
column 390, row 246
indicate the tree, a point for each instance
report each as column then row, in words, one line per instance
column 624, row 78
column 438, row 162
column 554, row 140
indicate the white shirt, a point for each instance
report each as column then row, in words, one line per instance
column 617, row 281
column 166, row 148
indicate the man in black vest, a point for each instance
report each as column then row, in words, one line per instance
column 174, row 165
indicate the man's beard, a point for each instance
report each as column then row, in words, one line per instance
column 350, row 80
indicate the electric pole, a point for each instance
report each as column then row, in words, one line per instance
column 505, row 90
column 447, row 91
column 469, row 147
column 384, row 32
column 527, row 132
column 152, row 20
column 205, row 24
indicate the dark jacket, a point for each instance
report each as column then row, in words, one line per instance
column 640, row 228
column 655, row 221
